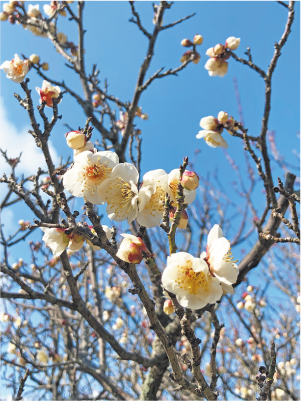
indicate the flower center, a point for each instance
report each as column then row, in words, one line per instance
column 156, row 202
column 121, row 202
column 229, row 258
column 95, row 174
column 191, row 281
column 18, row 70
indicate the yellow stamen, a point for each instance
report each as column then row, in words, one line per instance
column 190, row 280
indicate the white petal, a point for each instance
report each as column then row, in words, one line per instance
column 189, row 196
column 92, row 195
column 102, row 157
column 149, row 220
column 191, row 301
column 219, row 248
column 200, row 265
column 174, row 175
column 133, row 214
column 126, row 171
column 153, row 176
column 145, row 194
column 201, row 134
column 71, row 182
column 215, row 233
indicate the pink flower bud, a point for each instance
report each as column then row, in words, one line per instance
column 186, row 43
column 76, row 139
column 198, row 39
column 219, row 49
column 186, row 56
column 190, row 180
column 168, row 307
column 183, row 220
column 130, row 249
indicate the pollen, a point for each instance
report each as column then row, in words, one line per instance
column 156, row 201
column 95, row 174
column 191, row 281
column 121, row 197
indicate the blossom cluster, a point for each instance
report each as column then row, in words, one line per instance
column 58, row 240
column 199, row 281
column 213, row 128
column 100, row 178
column 197, row 40
column 217, row 64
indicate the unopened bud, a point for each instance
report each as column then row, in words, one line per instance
column 239, row 342
column 212, row 64
column 219, row 49
column 8, row 8
column 198, row 39
column 12, row 19
column 190, row 180
column 183, row 220
column 168, row 307
column 130, row 249
column 3, row 16
column 144, row 116
column 97, row 97
column 232, row 43
column 209, row 123
column 262, row 303
column 186, row 43
column 186, row 56
column 223, row 118
column 240, row 305
column 250, row 288
column 34, row 58
column 76, row 139
column 210, row 52
column 63, row 13
column 45, row 66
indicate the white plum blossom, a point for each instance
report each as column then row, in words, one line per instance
column 112, row 293
column 11, row 349
column 173, row 181
column 213, row 139
column 219, row 258
column 42, row 355
column 16, row 69
column 89, row 173
column 48, row 92
column 190, row 280
column 118, row 324
column 151, row 198
column 120, row 192
column 49, row 10
column 56, row 239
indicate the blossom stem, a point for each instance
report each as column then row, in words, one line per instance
column 180, row 207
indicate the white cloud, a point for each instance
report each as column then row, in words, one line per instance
column 16, row 141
